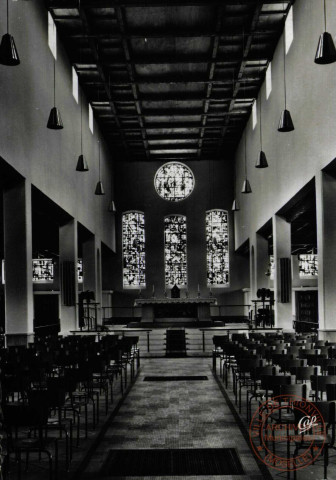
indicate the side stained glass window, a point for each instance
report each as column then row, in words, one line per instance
column 133, row 240
column 308, row 265
column 175, row 248
column 217, row 240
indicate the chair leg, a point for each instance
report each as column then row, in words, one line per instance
column 326, row 461
column 19, row 465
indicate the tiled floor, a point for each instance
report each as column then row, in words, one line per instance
column 180, row 414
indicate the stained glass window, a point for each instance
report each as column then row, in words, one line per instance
column 217, row 240
column 43, row 270
column 272, row 266
column 80, row 270
column 174, row 181
column 133, row 240
column 175, row 238
column 308, row 265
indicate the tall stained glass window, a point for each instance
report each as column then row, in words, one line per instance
column 217, row 240
column 175, row 238
column 133, row 239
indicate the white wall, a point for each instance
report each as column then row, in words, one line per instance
column 296, row 157
column 48, row 158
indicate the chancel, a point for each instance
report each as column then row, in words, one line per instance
column 167, row 239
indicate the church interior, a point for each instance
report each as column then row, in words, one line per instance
column 167, row 236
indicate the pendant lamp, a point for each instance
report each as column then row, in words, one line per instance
column 55, row 120
column 112, row 207
column 235, row 206
column 246, row 184
column 326, row 52
column 286, row 122
column 99, row 187
column 8, row 52
column 82, row 165
column 261, row 160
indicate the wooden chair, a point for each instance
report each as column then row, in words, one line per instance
column 325, row 440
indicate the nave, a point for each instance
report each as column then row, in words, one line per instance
column 190, row 414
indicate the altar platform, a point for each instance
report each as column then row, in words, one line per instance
column 174, row 310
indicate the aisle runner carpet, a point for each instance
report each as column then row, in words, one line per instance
column 175, row 378
column 196, row 461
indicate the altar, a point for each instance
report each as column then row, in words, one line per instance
column 174, row 308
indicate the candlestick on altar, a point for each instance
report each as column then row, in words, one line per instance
column 153, row 292
column 140, row 293
column 198, row 290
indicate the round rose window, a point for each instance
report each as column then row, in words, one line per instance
column 174, row 181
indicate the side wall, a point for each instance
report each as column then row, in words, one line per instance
column 47, row 158
column 294, row 158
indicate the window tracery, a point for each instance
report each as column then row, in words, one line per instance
column 217, row 241
column 175, row 248
column 133, row 240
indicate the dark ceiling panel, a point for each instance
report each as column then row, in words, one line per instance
column 168, row 79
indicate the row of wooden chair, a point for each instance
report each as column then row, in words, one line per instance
column 50, row 384
column 267, row 366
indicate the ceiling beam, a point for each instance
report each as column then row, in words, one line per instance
column 132, row 74
column 228, row 34
column 156, row 3
column 95, row 53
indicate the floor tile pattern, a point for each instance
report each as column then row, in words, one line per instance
column 175, row 415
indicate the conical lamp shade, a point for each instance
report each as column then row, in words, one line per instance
column 55, row 120
column 326, row 52
column 235, row 206
column 112, row 207
column 8, row 53
column 286, row 122
column 262, row 161
column 82, row 165
column 99, row 188
column 246, row 187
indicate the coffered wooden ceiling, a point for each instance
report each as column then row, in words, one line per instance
column 170, row 80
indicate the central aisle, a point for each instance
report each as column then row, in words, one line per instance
column 176, row 414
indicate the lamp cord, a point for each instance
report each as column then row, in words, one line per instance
column 260, row 105
column 260, row 118
column 7, row 18
column 54, row 83
column 325, row 17
column 81, row 123
column 99, row 159
column 245, row 154
column 244, row 102
column 284, row 58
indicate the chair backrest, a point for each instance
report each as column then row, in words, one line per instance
column 295, row 362
column 268, row 382
column 298, row 390
column 219, row 340
column 331, row 369
column 327, row 412
column 303, row 373
column 248, row 364
column 294, row 350
column 265, row 370
column 238, row 336
column 33, row 414
column 319, row 382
